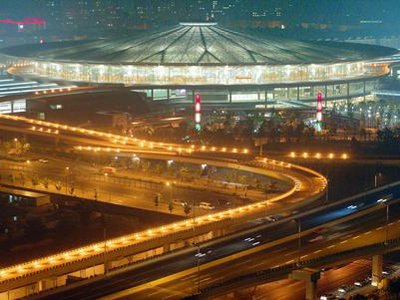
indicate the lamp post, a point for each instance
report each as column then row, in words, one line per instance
column 66, row 179
column 170, row 186
column 387, row 224
column 377, row 175
column 299, row 239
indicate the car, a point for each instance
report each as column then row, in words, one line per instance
column 109, row 170
column 43, row 160
column 203, row 252
column 328, row 297
column 179, row 202
column 206, row 205
column 316, row 239
column 358, row 283
column 271, row 219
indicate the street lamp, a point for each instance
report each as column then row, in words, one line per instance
column 376, row 177
column 299, row 238
column 387, row 224
column 169, row 185
column 66, row 179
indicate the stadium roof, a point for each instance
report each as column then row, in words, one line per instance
column 204, row 44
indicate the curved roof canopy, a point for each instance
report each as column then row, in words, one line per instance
column 205, row 43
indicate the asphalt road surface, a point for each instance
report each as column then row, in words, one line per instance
column 171, row 284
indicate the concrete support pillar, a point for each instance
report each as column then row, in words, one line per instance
column 107, row 266
column 46, row 284
column 377, row 268
column 310, row 277
column 311, row 290
column 218, row 233
column 167, row 248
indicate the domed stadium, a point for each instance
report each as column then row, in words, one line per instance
column 223, row 66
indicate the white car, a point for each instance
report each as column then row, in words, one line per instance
column 179, row 202
column 206, row 205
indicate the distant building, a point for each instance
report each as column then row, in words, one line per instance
column 23, row 198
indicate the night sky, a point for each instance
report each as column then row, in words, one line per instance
column 342, row 11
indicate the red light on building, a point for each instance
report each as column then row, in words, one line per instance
column 319, row 112
column 27, row 21
column 197, row 109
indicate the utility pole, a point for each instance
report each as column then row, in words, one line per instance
column 387, row 225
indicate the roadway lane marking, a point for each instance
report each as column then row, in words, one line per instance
column 391, row 224
column 289, row 261
column 345, row 241
column 205, row 279
column 331, row 246
column 356, row 237
column 304, row 256
column 379, row 228
column 259, row 264
column 318, row 251
column 290, row 253
column 367, row 233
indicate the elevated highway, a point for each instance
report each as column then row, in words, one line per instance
column 98, row 259
column 257, row 255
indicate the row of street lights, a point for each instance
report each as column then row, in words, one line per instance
column 318, row 155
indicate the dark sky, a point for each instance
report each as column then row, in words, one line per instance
column 293, row 10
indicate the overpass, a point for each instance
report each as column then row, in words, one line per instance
column 98, row 259
column 221, row 261
column 227, row 261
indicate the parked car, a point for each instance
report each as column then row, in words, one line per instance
column 206, row 205
column 179, row 202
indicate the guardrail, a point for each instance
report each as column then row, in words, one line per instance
column 153, row 238
column 128, row 245
column 271, row 274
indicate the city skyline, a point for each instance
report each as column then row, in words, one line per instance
column 110, row 14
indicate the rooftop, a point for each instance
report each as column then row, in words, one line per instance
column 202, row 44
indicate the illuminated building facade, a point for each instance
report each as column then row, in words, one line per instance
column 225, row 68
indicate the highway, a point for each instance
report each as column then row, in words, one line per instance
column 306, row 185
column 175, row 275
column 285, row 289
column 110, row 189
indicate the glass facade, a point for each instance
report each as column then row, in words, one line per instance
column 295, row 94
column 204, row 75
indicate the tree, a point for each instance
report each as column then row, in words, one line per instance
column 171, row 207
column 45, row 182
column 146, row 166
column 272, row 186
column 242, row 179
column 22, row 178
column 7, row 147
column 25, row 148
column 11, row 177
column 159, row 169
column 72, row 189
column 157, row 201
column 183, row 172
column 186, row 209
column 35, row 180
column 58, row 186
